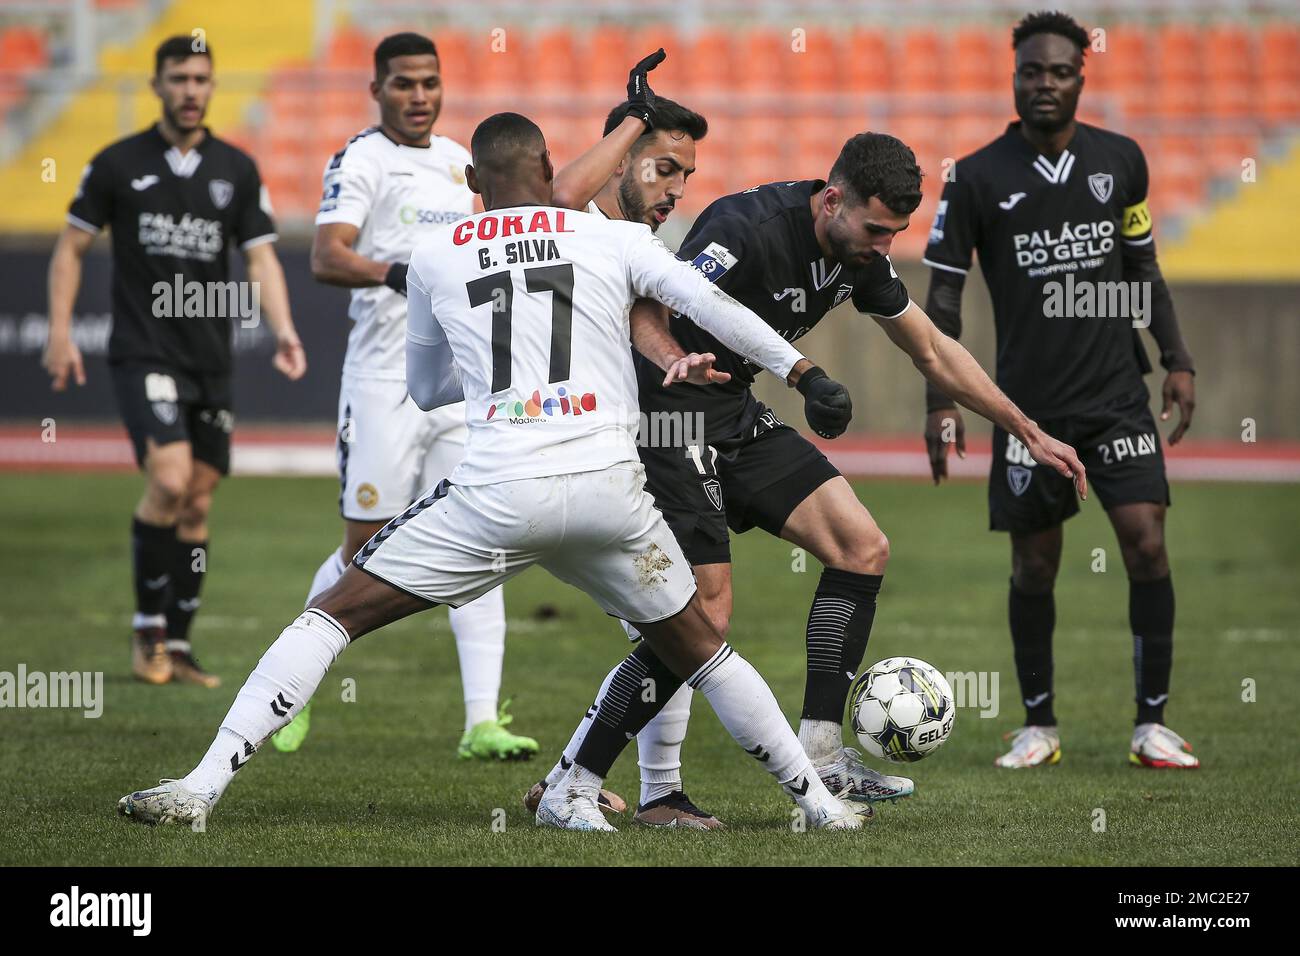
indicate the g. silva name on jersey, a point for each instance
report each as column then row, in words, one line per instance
column 1074, row 247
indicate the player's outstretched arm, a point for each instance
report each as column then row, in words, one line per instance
column 335, row 262
column 955, row 372
column 264, row 270
column 943, row 422
column 62, row 357
column 1141, row 266
column 578, row 183
column 653, row 338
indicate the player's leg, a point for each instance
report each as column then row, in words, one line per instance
column 479, row 627
column 831, row 523
column 1132, row 486
column 149, row 401
column 1031, row 503
column 189, row 567
column 681, row 644
column 688, row 492
column 377, row 453
column 434, row 552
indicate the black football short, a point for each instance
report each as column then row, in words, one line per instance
column 755, row 480
column 1117, row 443
column 170, row 405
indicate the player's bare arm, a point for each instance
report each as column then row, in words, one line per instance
column 651, row 336
column 943, row 422
column 954, row 370
column 62, row 357
column 264, row 269
column 334, row 261
column 577, row 183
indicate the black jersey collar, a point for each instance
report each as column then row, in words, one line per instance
column 1054, row 171
column 181, row 164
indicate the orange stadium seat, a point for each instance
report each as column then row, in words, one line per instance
column 350, row 49
column 1280, row 71
column 868, row 64
column 609, row 59
column 768, row 61
column 975, row 62
column 923, row 62
column 454, row 60
column 820, row 68
column 709, row 61
column 556, row 66
column 1126, row 63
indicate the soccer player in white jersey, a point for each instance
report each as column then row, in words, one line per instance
column 522, row 313
column 387, row 188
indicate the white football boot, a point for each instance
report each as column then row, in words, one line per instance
column 572, row 806
column 840, row 815
column 846, row 775
column 1158, row 747
column 1031, row 747
column 168, row 803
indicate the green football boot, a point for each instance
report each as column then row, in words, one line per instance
column 489, row 740
column 290, row 737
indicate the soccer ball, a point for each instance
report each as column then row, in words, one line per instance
column 902, row 709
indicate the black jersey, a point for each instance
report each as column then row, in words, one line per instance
column 759, row 246
column 1048, row 234
column 172, row 215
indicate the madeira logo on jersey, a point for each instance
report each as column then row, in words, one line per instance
column 566, row 401
column 714, row 261
column 1101, row 184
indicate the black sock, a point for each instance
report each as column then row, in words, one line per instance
column 623, row 712
column 839, row 624
column 152, row 550
column 1151, row 618
column 1033, row 618
column 188, row 569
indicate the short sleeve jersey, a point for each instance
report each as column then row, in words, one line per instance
column 760, row 247
column 396, row 195
column 1050, row 235
column 173, row 218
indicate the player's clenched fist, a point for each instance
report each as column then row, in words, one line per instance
column 827, row 405
column 63, row 358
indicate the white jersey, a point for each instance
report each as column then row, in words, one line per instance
column 396, row 195
column 523, row 312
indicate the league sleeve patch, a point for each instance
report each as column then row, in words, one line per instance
column 940, row 214
column 714, row 261
column 1136, row 220
column 329, row 200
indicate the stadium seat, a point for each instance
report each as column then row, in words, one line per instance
column 350, row 49
column 820, row 68
column 768, row 62
column 709, row 61
column 923, row 61
column 555, row 63
column 454, row 61
column 868, row 62
column 976, row 62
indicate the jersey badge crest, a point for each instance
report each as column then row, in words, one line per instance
column 1018, row 477
column 221, row 192
column 457, row 174
column 1101, row 185
column 843, row 292
column 713, row 488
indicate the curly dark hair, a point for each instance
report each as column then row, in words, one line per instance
column 669, row 115
column 877, row 164
column 1050, row 21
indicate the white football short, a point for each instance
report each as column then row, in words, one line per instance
column 389, row 450
column 596, row 530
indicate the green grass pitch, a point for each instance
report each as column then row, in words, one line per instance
column 378, row 780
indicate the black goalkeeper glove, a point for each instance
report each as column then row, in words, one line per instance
column 640, row 98
column 396, row 278
column 827, row 405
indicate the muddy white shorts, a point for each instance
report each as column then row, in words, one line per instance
column 596, row 530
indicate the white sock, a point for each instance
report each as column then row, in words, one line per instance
column 480, row 631
column 745, row 705
column 275, row 693
column 575, row 742
column 326, row 575
column 820, row 738
column 659, row 747
column 141, row 622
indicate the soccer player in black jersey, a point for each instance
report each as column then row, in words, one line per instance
column 791, row 252
column 1057, row 211
column 175, row 199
